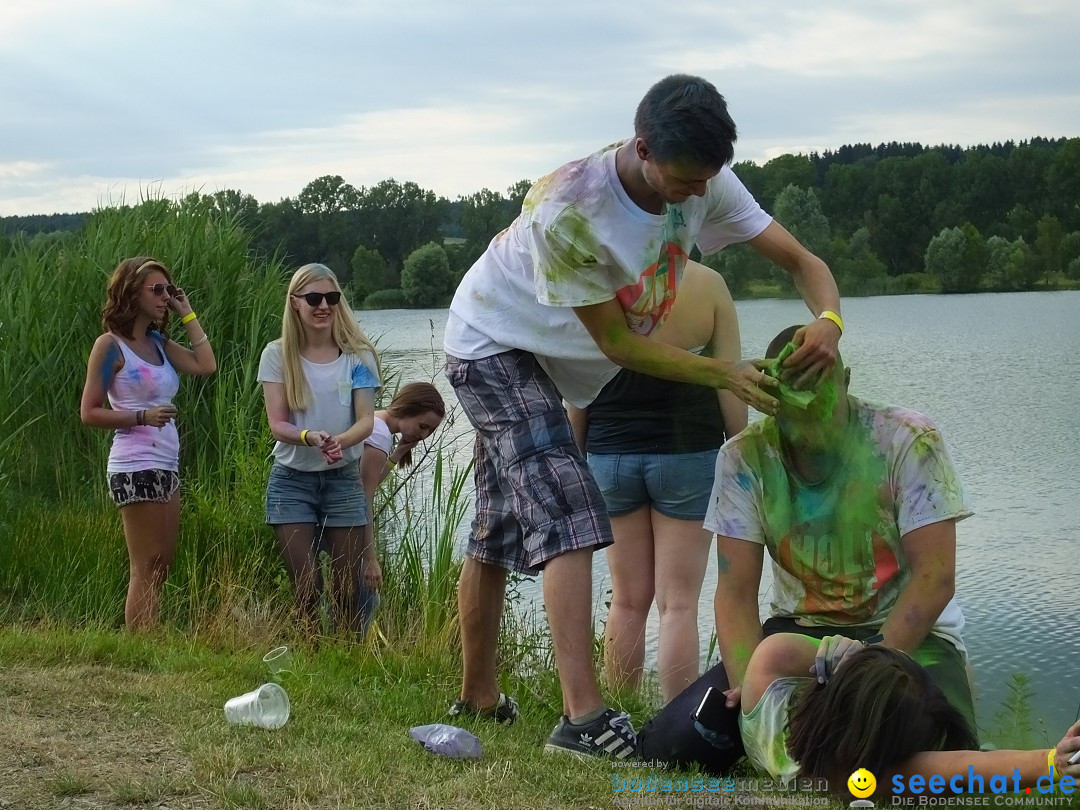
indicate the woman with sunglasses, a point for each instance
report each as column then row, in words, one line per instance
column 134, row 366
column 319, row 381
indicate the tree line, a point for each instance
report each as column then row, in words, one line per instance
column 891, row 218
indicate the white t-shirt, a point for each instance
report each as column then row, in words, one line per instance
column 836, row 546
column 380, row 438
column 581, row 240
column 330, row 404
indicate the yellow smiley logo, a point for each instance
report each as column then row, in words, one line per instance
column 861, row 783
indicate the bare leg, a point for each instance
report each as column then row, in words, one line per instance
column 630, row 561
column 346, row 546
column 481, row 592
column 296, row 541
column 150, row 530
column 682, row 553
column 568, row 600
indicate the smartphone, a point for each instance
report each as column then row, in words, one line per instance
column 711, row 711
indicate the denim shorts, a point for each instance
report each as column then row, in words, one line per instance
column 333, row 498
column 677, row 485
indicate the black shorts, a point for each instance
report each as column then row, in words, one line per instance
column 156, row 486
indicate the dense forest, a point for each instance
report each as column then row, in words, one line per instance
column 892, row 218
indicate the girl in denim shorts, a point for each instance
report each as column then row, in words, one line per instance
column 134, row 365
column 652, row 448
column 319, row 382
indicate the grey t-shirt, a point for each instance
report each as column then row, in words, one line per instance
column 330, row 406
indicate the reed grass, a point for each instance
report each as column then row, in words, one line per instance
column 63, row 559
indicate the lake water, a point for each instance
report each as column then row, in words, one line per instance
column 1000, row 374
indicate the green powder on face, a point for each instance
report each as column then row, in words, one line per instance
column 786, row 392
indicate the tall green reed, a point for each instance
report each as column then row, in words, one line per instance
column 62, row 557
column 52, row 467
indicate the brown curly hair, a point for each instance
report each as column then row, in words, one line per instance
column 122, row 295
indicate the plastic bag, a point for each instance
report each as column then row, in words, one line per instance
column 448, row 741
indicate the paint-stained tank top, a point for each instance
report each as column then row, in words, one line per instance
column 138, row 386
column 636, row 413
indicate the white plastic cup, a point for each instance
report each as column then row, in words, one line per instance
column 278, row 660
column 265, row 707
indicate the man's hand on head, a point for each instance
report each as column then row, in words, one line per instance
column 818, row 347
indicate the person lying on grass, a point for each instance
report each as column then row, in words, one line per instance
column 824, row 709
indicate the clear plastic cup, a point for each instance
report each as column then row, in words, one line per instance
column 265, row 707
column 278, row 660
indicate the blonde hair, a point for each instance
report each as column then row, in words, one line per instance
column 346, row 332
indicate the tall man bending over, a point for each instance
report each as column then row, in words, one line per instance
column 558, row 301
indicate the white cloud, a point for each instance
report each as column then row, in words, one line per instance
column 265, row 97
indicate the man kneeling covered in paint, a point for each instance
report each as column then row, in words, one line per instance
column 880, row 710
column 857, row 505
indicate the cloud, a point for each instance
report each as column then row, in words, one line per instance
column 267, row 97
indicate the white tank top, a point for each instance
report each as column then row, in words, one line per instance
column 138, row 386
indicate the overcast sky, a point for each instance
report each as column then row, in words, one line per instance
column 103, row 99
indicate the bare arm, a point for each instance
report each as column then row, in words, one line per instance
column 606, row 323
column 277, row 414
column 198, row 360
column 1033, row 766
column 738, row 625
column 818, row 340
column 364, row 414
column 579, row 424
column 373, row 470
column 106, row 360
column 726, row 344
column 778, row 656
column 931, row 553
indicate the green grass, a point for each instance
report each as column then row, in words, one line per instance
column 155, row 706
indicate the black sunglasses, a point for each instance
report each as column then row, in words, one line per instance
column 160, row 288
column 314, row 298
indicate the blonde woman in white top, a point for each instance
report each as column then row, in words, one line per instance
column 319, row 382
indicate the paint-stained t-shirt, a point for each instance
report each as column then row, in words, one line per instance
column 580, row 240
column 330, row 403
column 836, row 546
column 764, row 729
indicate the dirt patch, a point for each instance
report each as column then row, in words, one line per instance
column 89, row 737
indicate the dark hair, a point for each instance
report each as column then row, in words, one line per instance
column 780, row 341
column 684, row 117
column 122, row 295
column 878, row 710
column 414, row 399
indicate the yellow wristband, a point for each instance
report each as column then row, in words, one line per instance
column 829, row 315
column 303, row 437
column 1050, row 764
column 192, row 316
column 389, row 463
